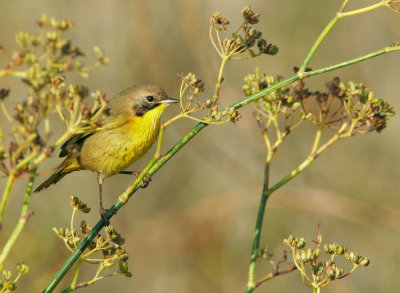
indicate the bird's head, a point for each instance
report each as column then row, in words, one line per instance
column 139, row 100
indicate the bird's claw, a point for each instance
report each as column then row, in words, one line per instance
column 145, row 181
column 103, row 215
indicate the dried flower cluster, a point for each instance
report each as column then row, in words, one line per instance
column 358, row 106
column 318, row 273
column 105, row 252
column 348, row 108
column 190, row 88
column 8, row 283
column 283, row 102
column 243, row 39
column 190, row 83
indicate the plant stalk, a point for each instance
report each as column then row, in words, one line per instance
column 251, row 284
column 21, row 222
column 6, row 194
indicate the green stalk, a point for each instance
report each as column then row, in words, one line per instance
column 70, row 288
column 251, row 285
column 73, row 285
column 318, row 42
column 10, row 183
column 21, row 222
column 19, row 74
column 339, row 15
column 385, row 50
column 220, row 78
column 306, row 163
column 316, row 290
column 6, row 194
column 156, row 165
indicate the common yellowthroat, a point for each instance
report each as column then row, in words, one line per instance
column 129, row 126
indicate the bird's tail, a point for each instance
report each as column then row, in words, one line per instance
column 70, row 164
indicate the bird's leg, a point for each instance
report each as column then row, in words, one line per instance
column 103, row 211
column 146, row 180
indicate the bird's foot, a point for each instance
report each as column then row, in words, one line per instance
column 145, row 181
column 103, row 215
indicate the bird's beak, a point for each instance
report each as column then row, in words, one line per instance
column 169, row 101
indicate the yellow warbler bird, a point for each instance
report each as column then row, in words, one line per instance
column 129, row 126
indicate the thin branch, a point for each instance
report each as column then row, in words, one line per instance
column 274, row 274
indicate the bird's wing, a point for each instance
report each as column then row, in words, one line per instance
column 114, row 121
column 74, row 143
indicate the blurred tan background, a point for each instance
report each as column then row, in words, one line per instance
column 191, row 229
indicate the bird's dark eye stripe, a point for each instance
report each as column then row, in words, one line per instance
column 150, row 99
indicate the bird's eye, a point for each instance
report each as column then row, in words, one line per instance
column 150, row 99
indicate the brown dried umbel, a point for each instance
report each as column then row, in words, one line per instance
column 351, row 105
column 220, row 23
column 243, row 38
column 351, row 108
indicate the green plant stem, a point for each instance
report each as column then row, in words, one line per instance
column 213, row 42
column 5, row 112
column 251, row 284
column 73, row 285
column 19, row 74
column 12, row 177
column 306, row 163
column 274, row 274
column 78, row 266
column 339, row 15
column 318, row 42
column 385, row 50
column 6, row 194
column 303, row 75
column 21, row 222
column 316, row 290
column 316, row 139
column 70, row 288
column 225, row 59
column 195, row 130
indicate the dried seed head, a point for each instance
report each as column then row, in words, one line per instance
column 4, row 92
column 220, row 23
column 114, row 236
column 79, row 205
column 22, row 268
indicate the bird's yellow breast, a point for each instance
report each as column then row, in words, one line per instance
column 111, row 151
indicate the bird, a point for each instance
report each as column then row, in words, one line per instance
column 130, row 124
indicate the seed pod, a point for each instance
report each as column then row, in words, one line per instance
column 364, row 262
column 339, row 250
column 301, row 242
column 309, row 254
column 245, row 11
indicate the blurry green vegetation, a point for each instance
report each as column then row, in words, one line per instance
column 41, row 64
column 205, row 228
